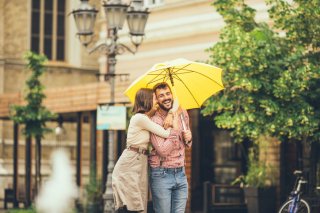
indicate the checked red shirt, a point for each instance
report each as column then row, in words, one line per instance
column 170, row 152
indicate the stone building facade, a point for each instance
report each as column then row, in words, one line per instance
column 175, row 29
column 77, row 68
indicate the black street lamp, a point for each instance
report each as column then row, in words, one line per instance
column 85, row 17
column 116, row 12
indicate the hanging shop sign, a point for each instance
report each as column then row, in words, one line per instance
column 111, row 117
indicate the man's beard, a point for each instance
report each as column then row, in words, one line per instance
column 164, row 108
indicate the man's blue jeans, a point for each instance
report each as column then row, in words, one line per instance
column 169, row 188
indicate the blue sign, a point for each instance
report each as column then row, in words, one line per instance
column 111, row 117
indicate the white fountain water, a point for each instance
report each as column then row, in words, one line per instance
column 58, row 193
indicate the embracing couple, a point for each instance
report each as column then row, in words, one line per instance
column 157, row 134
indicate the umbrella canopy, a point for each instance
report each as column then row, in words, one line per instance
column 191, row 82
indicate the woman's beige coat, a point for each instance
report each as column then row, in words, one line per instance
column 130, row 174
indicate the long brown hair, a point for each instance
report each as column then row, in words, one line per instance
column 143, row 101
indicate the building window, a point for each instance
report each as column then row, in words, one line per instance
column 152, row 3
column 227, row 162
column 48, row 28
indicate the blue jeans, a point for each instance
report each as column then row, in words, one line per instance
column 169, row 188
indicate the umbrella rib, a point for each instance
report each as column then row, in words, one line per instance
column 156, row 74
column 178, row 69
column 177, row 77
column 201, row 75
column 155, row 79
column 165, row 77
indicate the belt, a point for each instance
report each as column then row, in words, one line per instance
column 172, row 170
column 138, row 150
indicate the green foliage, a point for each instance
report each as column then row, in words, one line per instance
column 29, row 210
column 93, row 196
column 300, row 22
column 271, row 81
column 33, row 114
column 32, row 210
column 93, row 191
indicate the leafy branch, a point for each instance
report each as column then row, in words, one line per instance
column 34, row 115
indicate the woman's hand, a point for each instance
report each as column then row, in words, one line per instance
column 154, row 100
column 155, row 107
column 175, row 122
column 172, row 119
column 152, row 110
column 168, row 121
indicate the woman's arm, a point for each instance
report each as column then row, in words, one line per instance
column 146, row 123
column 164, row 146
column 168, row 121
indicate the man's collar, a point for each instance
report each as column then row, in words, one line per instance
column 162, row 113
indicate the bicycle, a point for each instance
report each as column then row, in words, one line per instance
column 296, row 204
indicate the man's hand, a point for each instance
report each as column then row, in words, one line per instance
column 187, row 135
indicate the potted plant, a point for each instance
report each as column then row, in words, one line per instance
column 93, row 197
column 258, row 182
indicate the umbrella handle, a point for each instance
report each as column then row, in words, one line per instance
column 184, row 125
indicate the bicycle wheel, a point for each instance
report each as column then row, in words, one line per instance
column 302, row 207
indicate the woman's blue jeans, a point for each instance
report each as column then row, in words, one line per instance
column 169, row 188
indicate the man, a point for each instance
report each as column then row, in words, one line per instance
column 168, row 181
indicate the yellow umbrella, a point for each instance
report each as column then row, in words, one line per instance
column 191, row 82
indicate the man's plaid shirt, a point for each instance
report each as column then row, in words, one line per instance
column 170, row 152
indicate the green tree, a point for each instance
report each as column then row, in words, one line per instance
column 33, row 116
column 271, row 78
column 300, row 22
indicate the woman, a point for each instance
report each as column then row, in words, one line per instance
column 129, row 177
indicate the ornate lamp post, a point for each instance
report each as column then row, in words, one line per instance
column 116, row 12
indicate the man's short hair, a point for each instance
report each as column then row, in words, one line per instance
column 161, row 85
